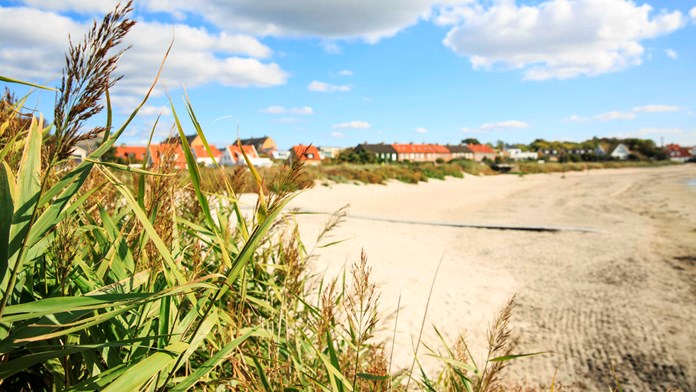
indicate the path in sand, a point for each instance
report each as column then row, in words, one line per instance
column 623, row 296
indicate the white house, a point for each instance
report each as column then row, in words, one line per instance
column 281, row 154
column 232, row 156
column 78, row 154
column 202, row 156
column 620, row 152
column 517, row 154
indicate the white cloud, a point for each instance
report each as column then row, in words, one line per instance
column 656, row 109
column 34, row 51
column 692, row 13
column 304, row 110
column 151, row 110
column 615, row 115
column 422, row 130
column 671, row 53
column 367, row 20
column 510, row 124
column 337, row 135
column 353, row 125
column 345, row 72
column 555, row 39
column 327, row 88
column 576, row 118
column 79, row 6
column 274, row 110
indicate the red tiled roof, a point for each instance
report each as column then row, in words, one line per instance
column 236, row 153
column 481, row 149
column 200, row 152
column 677, row 151
column 420, row 148
column 157, row 152
column 306, row 153
column 131, row 152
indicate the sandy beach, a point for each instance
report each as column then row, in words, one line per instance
column 621, row 295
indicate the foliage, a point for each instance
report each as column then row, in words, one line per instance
column 471, row 140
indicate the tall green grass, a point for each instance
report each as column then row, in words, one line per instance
column 114, row 278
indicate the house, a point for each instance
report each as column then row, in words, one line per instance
column 309, row 155
column 383, row 152
column 263, row 145
column 281, row 155
column 78, row 154
column 620, row 152
column 203, row 157
column 460, row 151
column 131, row 154
column 192, row 140
column 166, row 155
column 481, row 152
column 421, row 152
column 678, row 153
column 232, row 156
column 516, row 154
column 329, row 152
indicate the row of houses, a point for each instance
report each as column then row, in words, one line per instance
column 259, row 151
column 398, row 152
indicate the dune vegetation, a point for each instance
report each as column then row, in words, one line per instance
column 116, row 278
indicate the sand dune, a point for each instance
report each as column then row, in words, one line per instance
column 622, row 296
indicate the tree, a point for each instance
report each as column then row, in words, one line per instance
column 471, row 140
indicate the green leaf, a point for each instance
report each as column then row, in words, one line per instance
column 17, row 81
column 141, row 371
column 212, row 363
column 372, row 377
column 509, row 357
column 8, row 193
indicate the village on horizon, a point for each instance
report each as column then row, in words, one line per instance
column 263, row 152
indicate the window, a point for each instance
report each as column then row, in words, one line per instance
column 309, row 155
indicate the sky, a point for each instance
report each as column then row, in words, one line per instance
column 343, row 72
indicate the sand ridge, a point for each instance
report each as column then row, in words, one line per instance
column 622, row 297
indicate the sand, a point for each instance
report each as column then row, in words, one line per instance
column 622, row 296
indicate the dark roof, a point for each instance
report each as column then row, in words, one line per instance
column 377, row 148
column 458, row 148
column 255, row 141
column 177, row 140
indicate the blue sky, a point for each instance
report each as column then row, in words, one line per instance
column 341, row 72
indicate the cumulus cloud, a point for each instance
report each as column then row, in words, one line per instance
column 692, row 13
column 304, row 110
column 510, row 124
column 615, row 115
column 34, row 51
column 152, row 110
column 671, row 53
column 337, row 19
column 322, row 87
column 353, row 125
column 555, row 39
column 421, row 130
column 656, row 109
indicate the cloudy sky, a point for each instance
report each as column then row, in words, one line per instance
column 341, row 72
